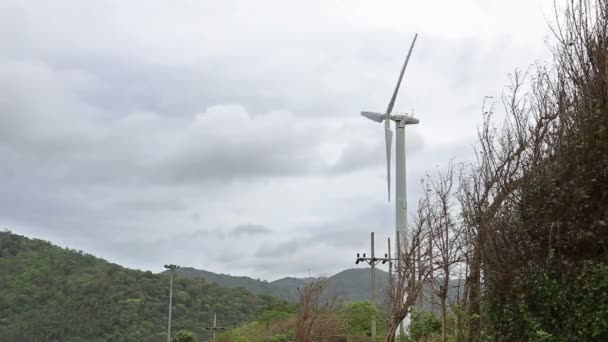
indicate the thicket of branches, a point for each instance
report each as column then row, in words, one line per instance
column 314, row 320
column 526, row 224
column 539, row 195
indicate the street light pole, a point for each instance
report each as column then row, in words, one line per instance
column 171, row 269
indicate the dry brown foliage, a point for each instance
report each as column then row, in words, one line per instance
column 410, row 273
column 538, row 191
column 314, row 319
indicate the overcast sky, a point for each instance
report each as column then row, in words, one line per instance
column 226, row 135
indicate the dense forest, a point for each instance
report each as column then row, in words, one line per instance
column 351, row 285
column 48, row 293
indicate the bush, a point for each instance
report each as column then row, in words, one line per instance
column 424, row 327
column 552, row 306
column 184, row 336
column 355, row 318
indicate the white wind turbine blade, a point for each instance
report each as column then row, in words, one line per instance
column 407, row 59
column 388, row 136
column 378, row 117
column 388, row 133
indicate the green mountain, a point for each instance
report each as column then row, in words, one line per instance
column 350, row 285
column 48, row 293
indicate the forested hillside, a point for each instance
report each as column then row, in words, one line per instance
column 350, row 285
column 256, row 286
column 48, row 293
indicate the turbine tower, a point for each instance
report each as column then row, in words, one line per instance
column 401, row 120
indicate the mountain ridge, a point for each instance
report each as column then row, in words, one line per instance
column 351, row 284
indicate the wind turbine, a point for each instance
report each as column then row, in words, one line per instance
column 401, row 120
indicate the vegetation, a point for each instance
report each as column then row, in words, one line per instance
column 526, row 224
column 355, row 319
column 351, row 284
column 552, row 306
column 425, row 327
column 57, row 294
column 542, row 238
column 278, row 330
column 53, row 294
column 317, row 316
column 348, row 322
column 277, row 288
column 184, row 336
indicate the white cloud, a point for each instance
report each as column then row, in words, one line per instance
column 146, row 131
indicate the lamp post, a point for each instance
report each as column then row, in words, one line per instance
column 171, row 269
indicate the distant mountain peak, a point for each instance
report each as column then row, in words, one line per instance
column 351, row 284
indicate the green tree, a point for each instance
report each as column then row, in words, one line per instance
column 356, row 319
column 424, row 327
column 184, row 336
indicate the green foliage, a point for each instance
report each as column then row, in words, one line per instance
column 274, row 315
column 277, row 331
column 552, row 306
column 425, row 327
column 351, row 284
column 356, row 319
column 278, row 325
column 545, row 255
column 283, row 289
column 48, row 293
column 184, row 336
column 273, row 324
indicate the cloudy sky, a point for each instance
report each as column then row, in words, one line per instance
column 226, row 135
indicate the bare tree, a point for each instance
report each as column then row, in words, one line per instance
column 444, row 232
column 410, row 274
column 553, row 138
column 314, row 308
column 494, row 181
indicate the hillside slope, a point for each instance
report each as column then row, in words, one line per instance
column 350, row 285
column 48, row 293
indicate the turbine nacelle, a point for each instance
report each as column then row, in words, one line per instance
column 379, row 117
column 403, row 117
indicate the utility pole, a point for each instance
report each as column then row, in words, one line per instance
column 373, row 261
column 390, row 261
column 171, row 269
column 214, row 327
